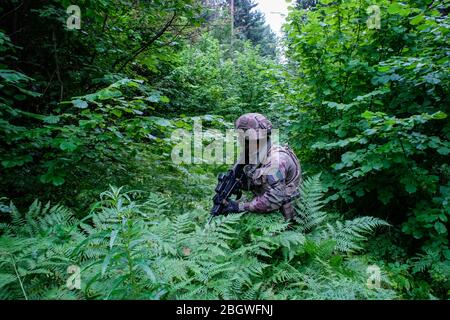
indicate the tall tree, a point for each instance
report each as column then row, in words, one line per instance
column 250, row 24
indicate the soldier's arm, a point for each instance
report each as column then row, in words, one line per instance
column 273, row 196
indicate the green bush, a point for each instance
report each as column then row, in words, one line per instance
column 368, row 108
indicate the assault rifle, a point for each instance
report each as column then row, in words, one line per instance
column 229, row 184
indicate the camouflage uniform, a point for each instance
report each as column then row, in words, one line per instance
column 275, row 180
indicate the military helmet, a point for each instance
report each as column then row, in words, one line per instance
column 258, row 124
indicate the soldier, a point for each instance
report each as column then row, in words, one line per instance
column 272, row 172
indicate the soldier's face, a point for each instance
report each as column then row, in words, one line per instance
column 251, row 149
column 252, row 143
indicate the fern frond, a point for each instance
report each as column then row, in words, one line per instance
column 351, row 233
column 309, row 205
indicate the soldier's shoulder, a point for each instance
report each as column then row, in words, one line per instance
column 280, row 152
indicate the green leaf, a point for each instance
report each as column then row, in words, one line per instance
column 68, row 146
column 6, row 279
column 55, row 180
column 148, row 271
column 370, row 132
column 416, row 20
column 17, row 161
column 51, row 119
column 439, row 115
column 440, row 227
column 80, row 104
column 348, row 158
column 410, row 188
column 384, row 68
column 162, row 122
column 113, row 238
column 133, row 84
column 155, row 97
column 368, row 115
column 13, row 76
column 105, row 263
column 394, row 8
column 397, row 8
column 117, row 113
column 443, row 150
column 28, row 92
column 165, row 99
column 107, row 94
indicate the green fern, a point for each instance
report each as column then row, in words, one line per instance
column 141, row 250
column 309, row 205
column 34, row 247
column 348, row 235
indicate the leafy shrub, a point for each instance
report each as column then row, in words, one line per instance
column 369, row 108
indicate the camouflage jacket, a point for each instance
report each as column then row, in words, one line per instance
column 274, row 182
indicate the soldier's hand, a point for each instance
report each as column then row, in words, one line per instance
column 231, row 207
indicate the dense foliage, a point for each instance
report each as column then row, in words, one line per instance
column 127, row 250
column 374, row 105
column 365, row 107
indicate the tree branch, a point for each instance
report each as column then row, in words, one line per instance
column 145, row 45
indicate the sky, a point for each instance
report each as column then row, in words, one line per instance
column 274, row 11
